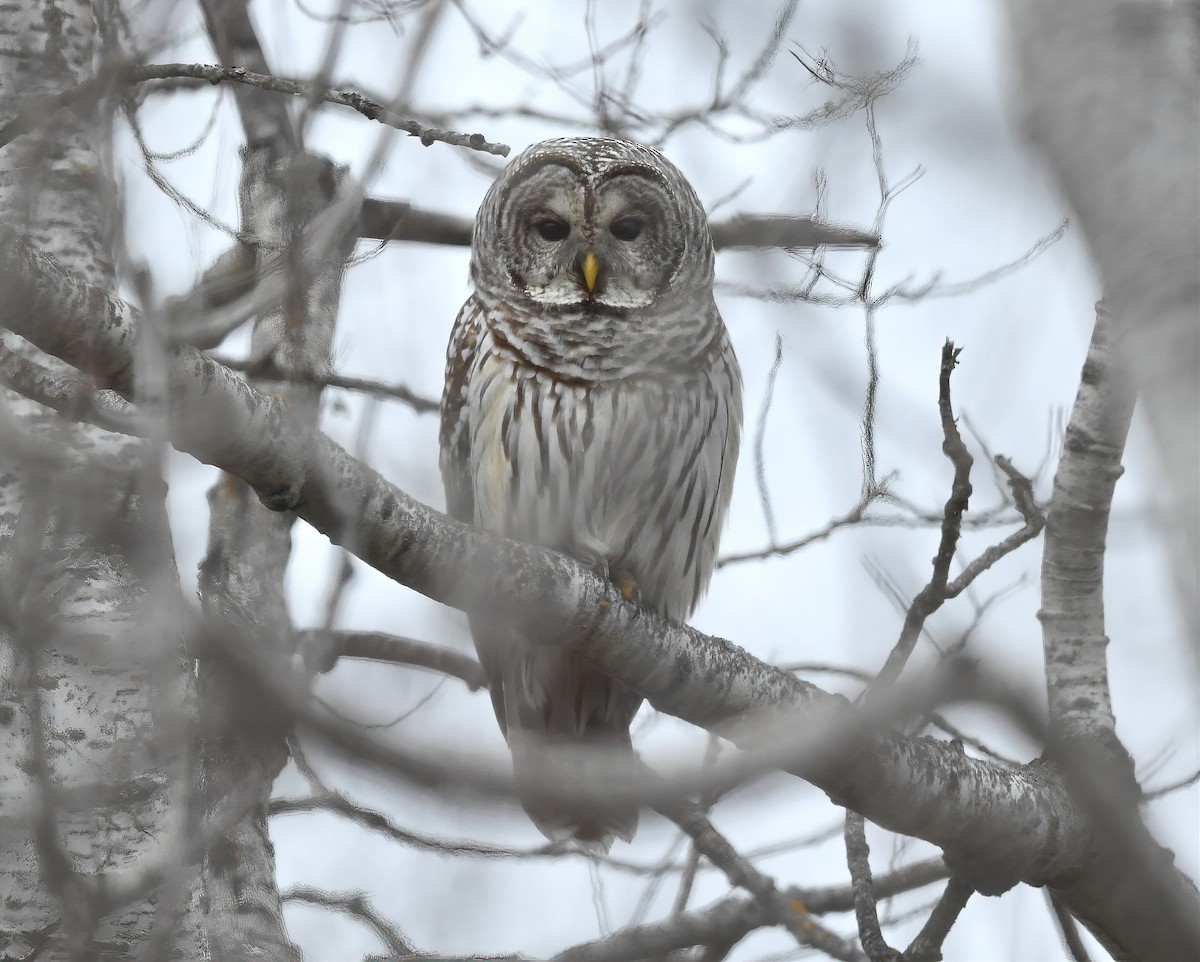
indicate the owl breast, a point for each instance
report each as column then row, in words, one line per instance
column 633, row 473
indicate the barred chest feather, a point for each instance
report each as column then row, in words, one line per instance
column 635, row 473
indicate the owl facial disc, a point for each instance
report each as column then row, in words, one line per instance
column 589, row 225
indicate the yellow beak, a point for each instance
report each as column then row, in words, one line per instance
column 591, row 270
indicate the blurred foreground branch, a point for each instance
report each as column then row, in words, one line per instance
column 996, row 825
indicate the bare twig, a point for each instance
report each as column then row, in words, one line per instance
column 790, row 913
column 854, row 516
column 931, row 597
column 866, row 912
column 394, row 392
column 693, row 861
column 859, row 516
column 323, row 647
column 656, row 879
column 1068, row 929
column 760, row 457
column 938, row 288
column 927, row 946
column 1172, row 787
column 35, row 115
column 357, row 906
column 339, row 804
column 728, row 920
column 1035, row 521
column 326, row 800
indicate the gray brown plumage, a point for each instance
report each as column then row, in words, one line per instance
column 593, row 405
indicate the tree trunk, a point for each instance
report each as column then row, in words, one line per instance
column 1112, row 102
column 93, row 698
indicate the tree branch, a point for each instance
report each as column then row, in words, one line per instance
column 356, row 905
column 927, row 946
column 933, row 595
column 235, row 40
column 792, row 914
column 63, row 389
column 395, row 392
column 322, row 648
column 866, row 912
column 730, row 919
column 35, row 116
column 1072, row 941
column 1072, row 613
column 1110, row 98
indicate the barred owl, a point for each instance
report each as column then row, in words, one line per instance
column 593, row 405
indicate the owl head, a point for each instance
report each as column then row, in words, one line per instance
column 592, row 224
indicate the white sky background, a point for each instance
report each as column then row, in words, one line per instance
column 983, row 200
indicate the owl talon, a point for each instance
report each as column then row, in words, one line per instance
column 600, row 566
column 627, row 584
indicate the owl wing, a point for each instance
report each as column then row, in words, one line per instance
column 455, row 435
column 457, row 466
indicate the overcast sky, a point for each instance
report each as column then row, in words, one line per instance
column 981, row 201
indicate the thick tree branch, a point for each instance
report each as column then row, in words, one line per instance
column 995, row 824
column 1072, row 612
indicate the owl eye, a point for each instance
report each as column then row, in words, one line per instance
column 626, row 228
column 552, row 230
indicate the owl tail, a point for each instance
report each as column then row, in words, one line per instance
column 567, row 723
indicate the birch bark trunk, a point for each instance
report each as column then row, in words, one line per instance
column 1111, row 98
column 92, row 682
